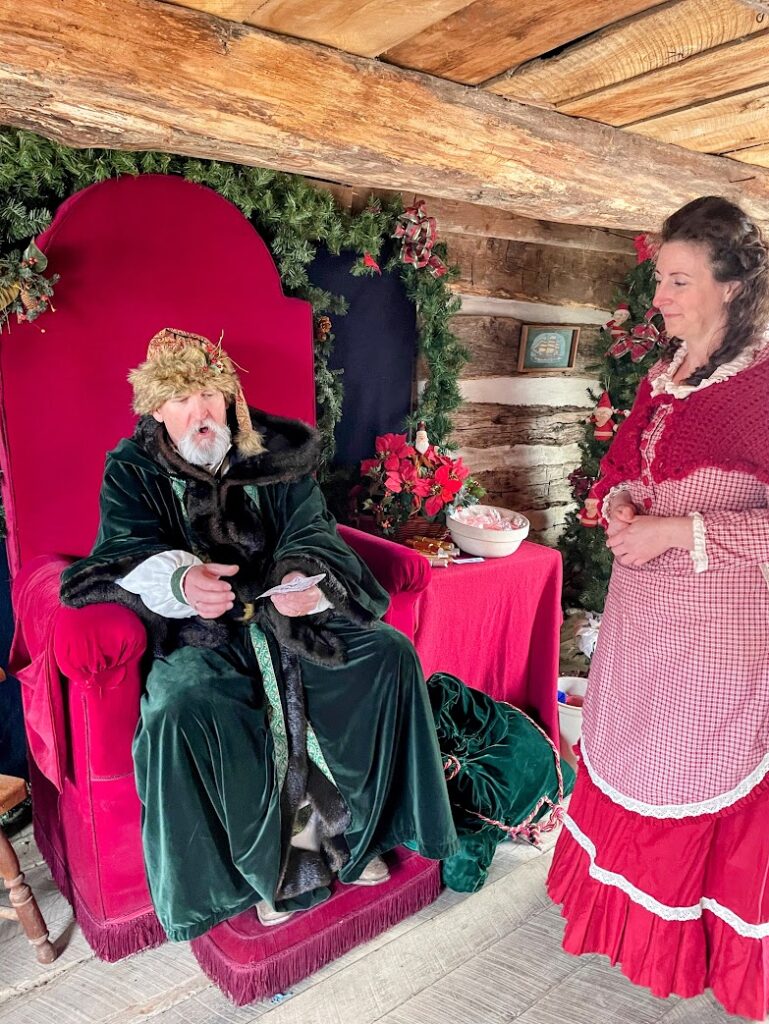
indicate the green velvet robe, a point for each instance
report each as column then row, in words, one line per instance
column 246, row 715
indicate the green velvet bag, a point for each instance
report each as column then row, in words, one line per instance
column 504, row 775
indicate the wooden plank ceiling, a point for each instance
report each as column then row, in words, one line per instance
column 694, row 73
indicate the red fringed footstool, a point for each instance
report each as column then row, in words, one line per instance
column 248, row 961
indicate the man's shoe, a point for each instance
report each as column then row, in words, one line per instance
column 374, row 873
column 269, row 917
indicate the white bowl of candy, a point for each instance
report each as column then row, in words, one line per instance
column 487, row 530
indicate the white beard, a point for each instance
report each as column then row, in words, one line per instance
column 206, row 450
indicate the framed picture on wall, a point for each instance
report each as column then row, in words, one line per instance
column 547, row 347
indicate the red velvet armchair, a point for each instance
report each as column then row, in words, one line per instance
column 134, row 255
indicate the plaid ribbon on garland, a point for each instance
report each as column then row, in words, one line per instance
column 419, row 234
column 640, row 340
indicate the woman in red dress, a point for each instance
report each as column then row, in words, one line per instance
column 663, row 864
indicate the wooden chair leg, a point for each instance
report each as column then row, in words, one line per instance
column 24, row 906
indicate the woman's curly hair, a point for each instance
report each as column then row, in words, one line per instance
column 737, row 252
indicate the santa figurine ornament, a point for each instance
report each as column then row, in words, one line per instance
column 421, row 440
column 588, row 515
column 602, row 417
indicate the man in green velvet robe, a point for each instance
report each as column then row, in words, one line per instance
column 283, row 739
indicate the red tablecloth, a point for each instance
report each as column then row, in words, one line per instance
column 496, row 625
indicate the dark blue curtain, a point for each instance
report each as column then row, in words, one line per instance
column 375, row 344
column 13, row 755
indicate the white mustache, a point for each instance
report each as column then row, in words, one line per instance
column 213, row 429
column 206, row 449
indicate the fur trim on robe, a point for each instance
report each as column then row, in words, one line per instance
column 265, row 514
column 219, row 524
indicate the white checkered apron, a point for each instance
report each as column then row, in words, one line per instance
column 676, row 720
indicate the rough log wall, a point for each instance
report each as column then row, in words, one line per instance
column 520, row 432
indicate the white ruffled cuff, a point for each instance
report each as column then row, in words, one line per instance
column 158, row 582
column 608, row 497
column 699, row 553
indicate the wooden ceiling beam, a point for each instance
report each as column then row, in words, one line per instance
column 714, row 126
column 757, row 5
column 730, row 68
column 349, row 25
column 488, row 37
column 183, row 82
column 758, row 155
column 639, row 45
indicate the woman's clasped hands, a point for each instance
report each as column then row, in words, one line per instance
column 636, row 539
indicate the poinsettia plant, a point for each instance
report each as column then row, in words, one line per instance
column 401, row 483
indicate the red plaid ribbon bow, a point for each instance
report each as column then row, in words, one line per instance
column 419, row 235
column 640, row 340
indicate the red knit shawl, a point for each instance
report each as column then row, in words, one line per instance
column 724, row 426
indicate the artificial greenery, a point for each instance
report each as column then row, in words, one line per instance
column 293, row 218
column 24, row 288
column 587, row 560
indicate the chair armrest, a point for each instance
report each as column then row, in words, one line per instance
column 87, row 643
column 87, row 723
column 99, row 649
column 397, row 568
column 94, row 645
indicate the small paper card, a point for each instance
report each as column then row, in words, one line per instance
column 295, row 586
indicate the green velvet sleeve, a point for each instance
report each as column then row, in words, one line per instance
column 308, row 541
column 138, row 518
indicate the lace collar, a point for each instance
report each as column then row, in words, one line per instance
column 663, row 384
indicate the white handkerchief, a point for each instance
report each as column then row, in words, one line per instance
column 295, row 586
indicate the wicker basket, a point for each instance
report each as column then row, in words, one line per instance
column 419, row 527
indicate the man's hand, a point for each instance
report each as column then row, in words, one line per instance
column 206, row 593
column 293, row 605
column 647, row 537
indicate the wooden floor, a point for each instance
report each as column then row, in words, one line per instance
column 484, row 959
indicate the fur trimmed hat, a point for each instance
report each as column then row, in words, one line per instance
column 178, row 363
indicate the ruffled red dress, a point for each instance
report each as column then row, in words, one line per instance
column 663, row 862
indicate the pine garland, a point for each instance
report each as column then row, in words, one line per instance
column 292, row 217
column 587, row 560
